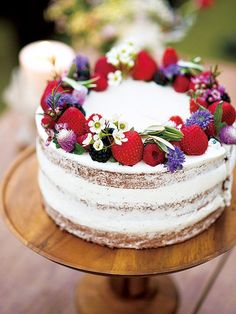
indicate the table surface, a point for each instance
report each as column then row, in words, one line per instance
column 22, row 202
column 32, row 284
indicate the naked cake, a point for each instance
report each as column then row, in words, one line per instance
column 160, row 178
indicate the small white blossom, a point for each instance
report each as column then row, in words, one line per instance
column 98, row 145
column 88, row 140
column 119, row 137
column 115, row 79
column 122, row 126
column 96, row 125
column 96, row 137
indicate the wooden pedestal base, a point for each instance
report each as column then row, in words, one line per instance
column 119, row 295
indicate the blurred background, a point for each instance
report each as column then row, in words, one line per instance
column 195, row 27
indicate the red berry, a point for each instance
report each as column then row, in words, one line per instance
column 153, row 155
column 48, row 122
column 131, row 152
column 145, row 67
column 170, row 57
column 196, row 103
column 177, row 120
column 80, row 140
column 228, row 114
column 103, row 67
column 52, row 85
column 176, row 144
column 181, row 84
column 210, row 130
column 101, row 82
column 195, row 141
column 75, row 119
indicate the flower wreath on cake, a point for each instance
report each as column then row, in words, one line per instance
column 64, row 116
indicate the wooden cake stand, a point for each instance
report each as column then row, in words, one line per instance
column 128, row 285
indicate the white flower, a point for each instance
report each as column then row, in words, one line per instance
column 96, row 137
column 98, row 145
column 96, row 125
column 119, row 137
column 88, row 140
column 122, row 126
column 114, row 79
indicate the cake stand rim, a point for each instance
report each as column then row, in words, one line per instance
column 27, row 153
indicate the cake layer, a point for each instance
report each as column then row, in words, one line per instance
column 128, row 240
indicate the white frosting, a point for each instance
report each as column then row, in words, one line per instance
column 139, row 103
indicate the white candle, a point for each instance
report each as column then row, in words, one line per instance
column 38, row 63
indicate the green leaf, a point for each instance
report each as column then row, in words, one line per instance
column 79, row 150
column 218, row 117
column 112, row 159
column 163, row 141
column 162, row 147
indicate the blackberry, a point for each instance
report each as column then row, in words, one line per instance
column 225, row 97
column 160, row 78
column 108, row 139
column 101, row 155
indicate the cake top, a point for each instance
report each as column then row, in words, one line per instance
column 129, row 109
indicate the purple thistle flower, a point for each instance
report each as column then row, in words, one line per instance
column 201, row 118
column 66, row 139
column 228, row 135
column 171, row 70
column 61, row 126
column 175, row 159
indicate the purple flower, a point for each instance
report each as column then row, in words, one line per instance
column 201, row 118
column 175, row 159
column 228, row 134
column 171, row 70
column 214, row 94
column 80, row 95
column 66, row 139
column 81, row 62
column 58, row 101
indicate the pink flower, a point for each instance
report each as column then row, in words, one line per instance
column 66, row 139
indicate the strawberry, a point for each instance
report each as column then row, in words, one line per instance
column 103, row 67
column 210, row 130
column 177, row 144
column 101, row 82
column 52, row 85
column 177, row 120
column 170, row 57
column 195, row 141
column 80, row 140
column 129, row 153
column 145, row 67
column 75, row 119
column 228, row 114
column 196, row 103
column 48, row 122
column 181, row 84
column 153, row 155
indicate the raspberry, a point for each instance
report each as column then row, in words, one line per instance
column 103, row 67
column 181, row 84
column 177, row 120
column 153, row 155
